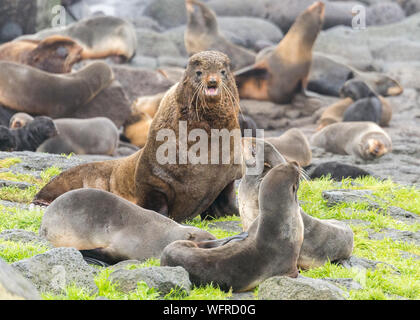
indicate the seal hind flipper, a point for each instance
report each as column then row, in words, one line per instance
column 99, row 257
column 221, row 242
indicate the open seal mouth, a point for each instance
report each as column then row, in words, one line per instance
column 212, row 91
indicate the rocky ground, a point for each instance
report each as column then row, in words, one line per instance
column 390, row 45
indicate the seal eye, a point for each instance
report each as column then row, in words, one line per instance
column 198, row 73
column 223, row 72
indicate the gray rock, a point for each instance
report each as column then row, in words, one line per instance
column 21, row 185
column 301, row 288
column 335, row 197
column 363, row 264
column 161, row 278
column 384, row 13
column 144, row 62
column 239, row 8
column 396, row 235
column 55, row 269
column 17, row 16
column 243, row 296
column 250, row 30
column 176, row 36
column 154, row 44
column 124, row 264
column 409, row 255
column 168, row 13
column 168, row 61
column 347, row 283
column 139, row 82
column 410, row 6
column 15, row 287
column 24, row 236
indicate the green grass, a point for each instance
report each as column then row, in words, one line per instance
column 379, row 284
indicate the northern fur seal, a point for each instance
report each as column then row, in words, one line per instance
column 334, row 113
column 29, row 137
column 205, row 99
column 202, row 34
column 323, row 239
column 358, row 90
column 271, row 248
column 365, row 140
column 293, row 145
column 337, row 171
column 284, row 71
column 37, row 92
column 109, row 228
column 328, row 74
column 366, row 109
column 55, row 54
column 80, row 136
column 100, row 37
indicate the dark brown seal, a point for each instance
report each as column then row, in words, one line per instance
column 111, row 229
column 283, row 72
column 324, row 240
column 206, row 99
column 56, row 54
column 271, row 248
column 202, row 34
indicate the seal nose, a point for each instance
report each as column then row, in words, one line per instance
column 212, row 81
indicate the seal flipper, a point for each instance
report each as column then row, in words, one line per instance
column 221, row 242
column 99, row 256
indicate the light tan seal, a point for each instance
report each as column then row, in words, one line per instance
column 79, row 136
column 271, row 248
column 111, row 229
column 100, row 37
column 365, row 140
column 205, row 99
column 283, row 72
column 294, row 146
column 324, row 240
column 55, row 54
column 203, row 33
column 26, row 89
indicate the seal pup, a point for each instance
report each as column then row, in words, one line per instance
column 283, row 72
column 378, row 105
column 334, row 113
column 27, row 138
column 99, row 36
column 366, row 109
column 337, row 171
column 271, row 248
column 205, row 99
column 111, row 229
column 79, row 136
column 329, row 73
column 294, row 146
column 323, row 239
column 40, row 93
column 203, row 34
column 365, row 140
column 55, row 54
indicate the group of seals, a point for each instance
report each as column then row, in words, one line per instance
column 359, row 103
column 29, row 137
column 79, row 136
column 110, row 229
column 272, row 245
column 323, row 239
column 206, row 98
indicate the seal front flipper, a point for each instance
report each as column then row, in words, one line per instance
column 222, row 242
